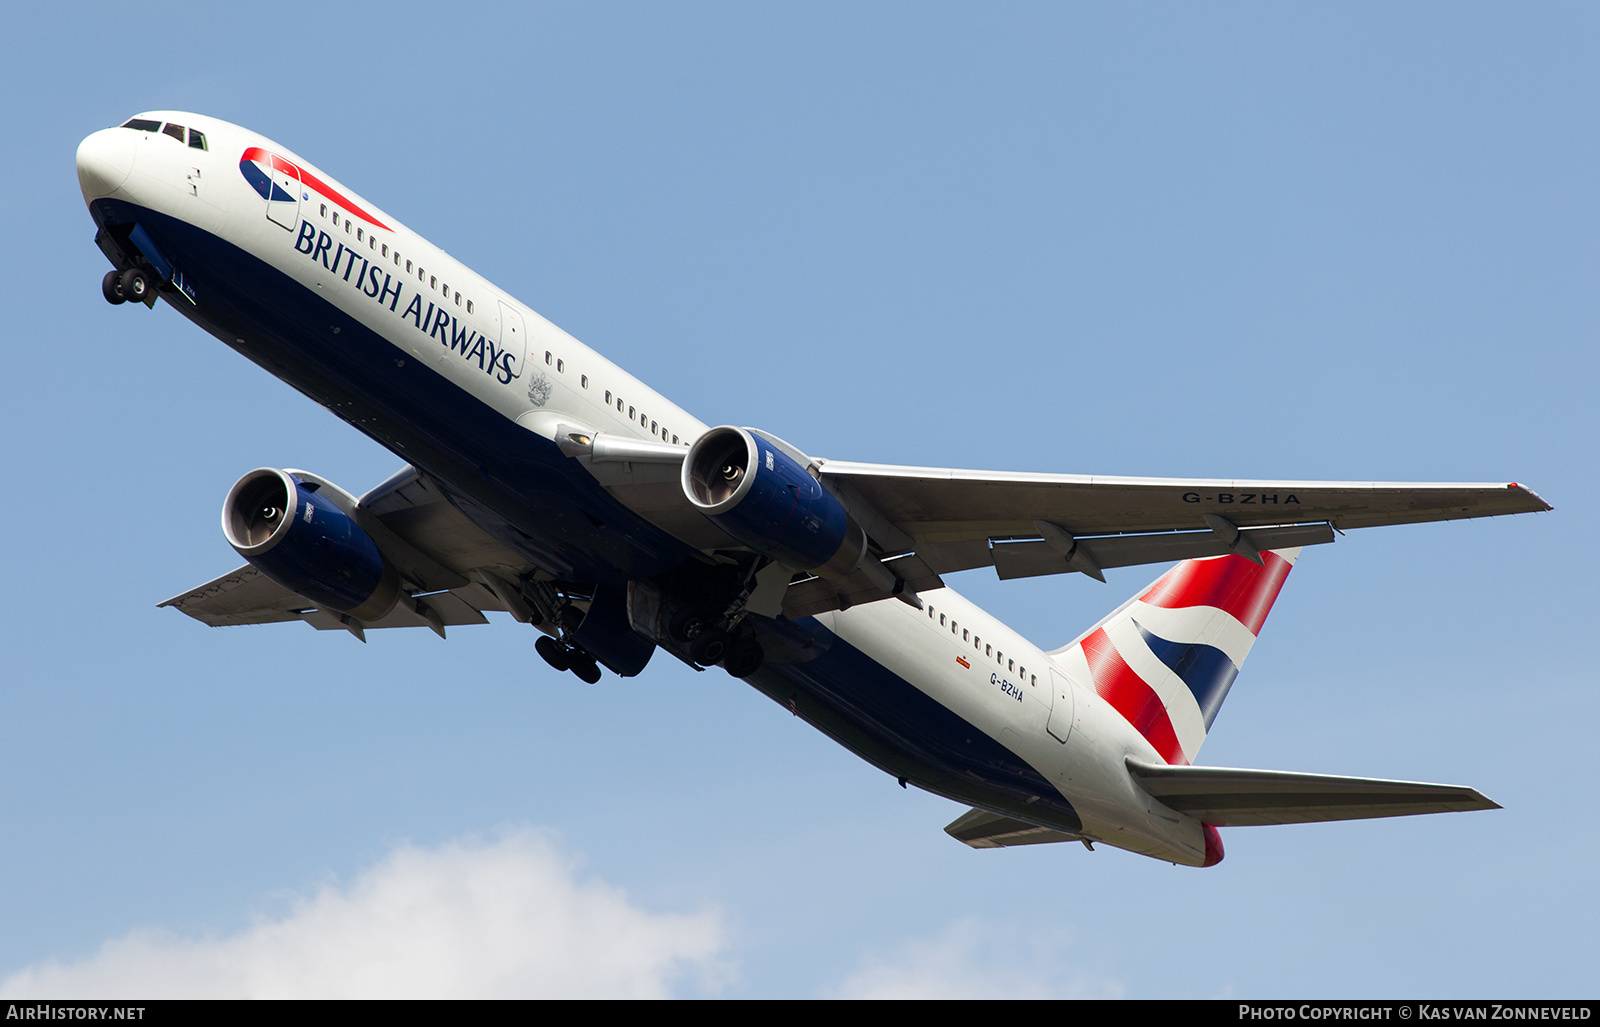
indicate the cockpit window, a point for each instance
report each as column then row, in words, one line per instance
column 197, row 139
column 175, row 131
column 142, row 125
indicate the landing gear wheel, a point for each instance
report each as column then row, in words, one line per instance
column 111, row 289
column 554, row 653
column 744, row 659
column 688, row 625
column 587, row 670
column 134, row 285
column 709, row 647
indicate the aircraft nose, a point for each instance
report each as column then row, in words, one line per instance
column 104, row 161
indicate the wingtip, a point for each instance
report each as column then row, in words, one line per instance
column 1541, row 506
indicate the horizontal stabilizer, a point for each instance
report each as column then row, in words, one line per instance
column 1227, row 797
column 984, row 830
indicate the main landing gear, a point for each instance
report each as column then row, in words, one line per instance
column 565, row 656
column 122, row 286
column 738, row 652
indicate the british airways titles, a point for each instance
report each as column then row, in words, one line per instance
column 433, row 321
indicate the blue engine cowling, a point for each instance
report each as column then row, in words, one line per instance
column 761, row 495
column 307, row 544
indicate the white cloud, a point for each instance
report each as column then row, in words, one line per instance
column 970, row 960
column 505, row 919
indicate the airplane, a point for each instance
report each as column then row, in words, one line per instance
column 544, row 482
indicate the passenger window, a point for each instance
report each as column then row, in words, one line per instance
column 608, row 397
column 547, row 358
column 408, row 263
column 385, row 249
column 965, row 635
column 458, row 299
column 1011, row 665
column 469, row 306
column 652, row 426
column 324, row 210
column 561, row 367
column 433, row 281
column 197, row 139
column 175, row 131
column 1034, row 681
column 988, row 650
column 347, row 224
column 360, row 236
column 941, row 620
column 446, row 292
column 630, row 413
column 583, row 380
column 619, row 404
column 674, row 440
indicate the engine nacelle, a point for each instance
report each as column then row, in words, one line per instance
column 307, row 544
column 761, row 495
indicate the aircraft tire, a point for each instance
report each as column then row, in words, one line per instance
column 744, row 659
column 587, row 670
column 554, row 653
column 709, row 647
column 134, row 285
column 111, row 288
column 688, row 624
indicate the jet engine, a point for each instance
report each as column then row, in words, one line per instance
column 761, row 492
column 308, row 544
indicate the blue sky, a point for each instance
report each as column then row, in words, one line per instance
column 1350, row 241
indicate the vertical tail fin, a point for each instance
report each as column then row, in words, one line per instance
column 1166, row 658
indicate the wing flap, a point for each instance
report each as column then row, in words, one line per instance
column 1028, row 559
column 1229, row 797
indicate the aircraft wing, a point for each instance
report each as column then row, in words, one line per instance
column 246, row 596
column 940, row 520
column 944, row 505
column 1226, row 797
column 452, row 571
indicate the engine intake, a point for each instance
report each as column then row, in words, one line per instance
column 308, row 544
column 761, row 495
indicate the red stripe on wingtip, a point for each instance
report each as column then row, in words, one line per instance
column 256, row 153
column 1131, row 696
column 1243, row 589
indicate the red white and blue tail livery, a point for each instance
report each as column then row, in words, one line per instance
column 1166, row 659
